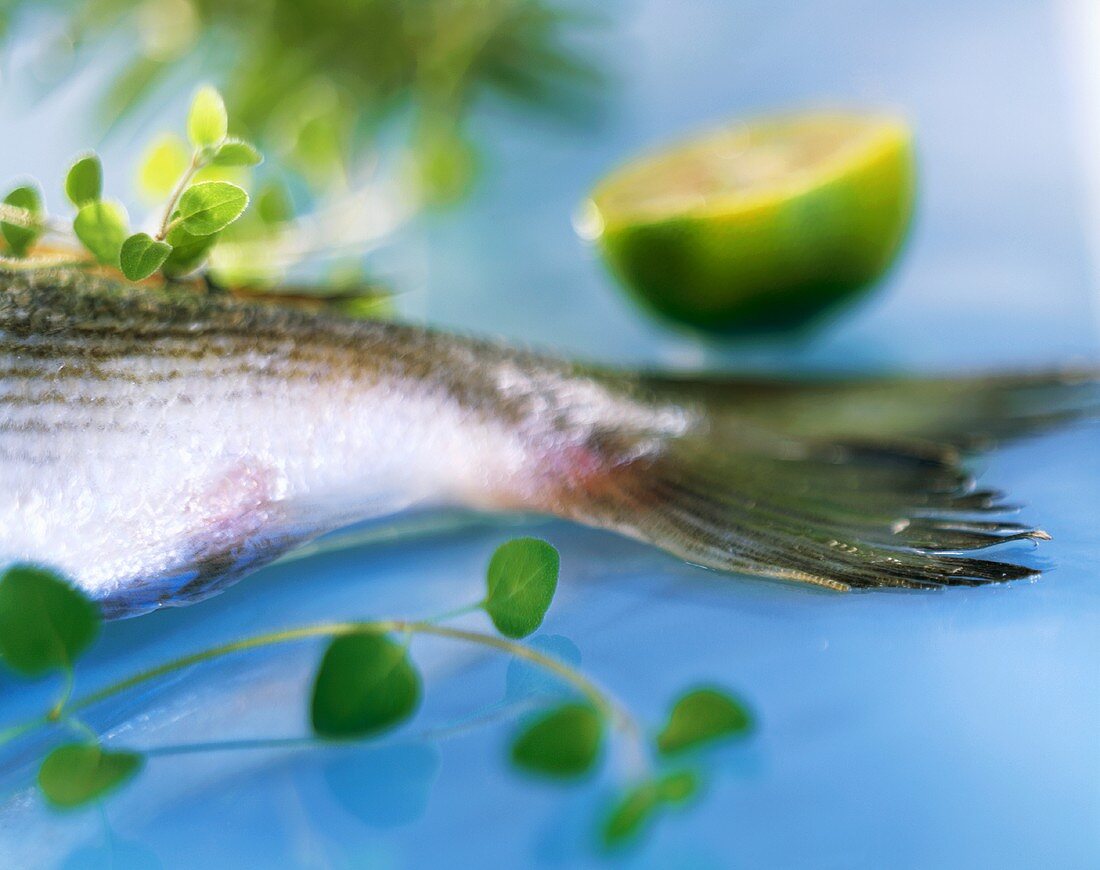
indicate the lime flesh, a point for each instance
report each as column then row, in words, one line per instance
column 760, row 227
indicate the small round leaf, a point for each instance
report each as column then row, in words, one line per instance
column 638, row 807
column 631, row 814
column 101, row 228
column 142, row 255
column 702, row 716
column 45, row 624
column 678, row 786
column 522, row 578
column 210, row 206
column 188, row 252
column 84, row 183
column 236, row 152
column 207, row 120
column 78, row 773
column 21, row 236
column 562, row 743
column 365, row 685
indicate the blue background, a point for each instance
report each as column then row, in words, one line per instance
column 912, row 730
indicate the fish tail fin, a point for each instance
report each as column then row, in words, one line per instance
column 840, row 484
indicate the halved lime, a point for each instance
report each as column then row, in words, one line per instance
column 760, row 226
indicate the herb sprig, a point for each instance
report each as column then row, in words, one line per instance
column 322, row 85
column 192, row 220
column 367, row 683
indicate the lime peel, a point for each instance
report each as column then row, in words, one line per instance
column 761, row 225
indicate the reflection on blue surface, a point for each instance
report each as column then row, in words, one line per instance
column 951, row 730
column 385, row 787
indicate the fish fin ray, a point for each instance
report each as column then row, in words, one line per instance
column 834, row 503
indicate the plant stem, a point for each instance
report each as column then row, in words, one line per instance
column 262, row 743
column 332, row 629
column 615, row 712
column 82, row 727
column 21, row 217
column 9, row 734
column 599, row 698
column 458, row 611
column 66, row 693
column 177, row 192
column 439, row 733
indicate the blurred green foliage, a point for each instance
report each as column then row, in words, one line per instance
column 316, row 83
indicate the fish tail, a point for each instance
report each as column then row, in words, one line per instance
column 839, row 484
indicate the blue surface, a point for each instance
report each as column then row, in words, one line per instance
column 950, row 730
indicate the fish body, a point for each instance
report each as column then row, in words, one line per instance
column 152, row 446
column 156, row 445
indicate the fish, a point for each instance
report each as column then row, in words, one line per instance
column 157, row 445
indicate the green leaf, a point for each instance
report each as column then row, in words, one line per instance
column 638, row 807
column 365, row 685
column 522, row 577
column 207, row 120
column 562, row 743
column 188, row 252
column 210, row 206
column 142, row 255
column 678, row 786
column 84, row 183
column 101, row 228
column 236, row 152
column 44, row 622
column 21, row 238
column 162, row 166
column 703, row 716
column 77, row 773
column 631, row 814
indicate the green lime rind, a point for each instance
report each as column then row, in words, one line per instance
column 764, row 260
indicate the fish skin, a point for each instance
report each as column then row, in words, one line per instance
column 156, row 445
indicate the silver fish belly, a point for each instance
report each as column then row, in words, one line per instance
column 142, row 462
